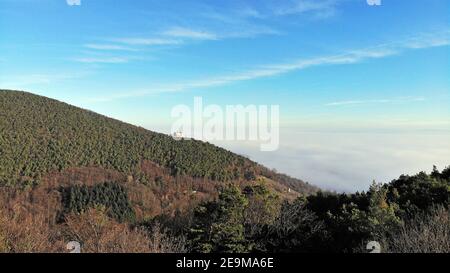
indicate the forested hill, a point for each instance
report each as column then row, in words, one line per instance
column 70, row 174
column 39, row 135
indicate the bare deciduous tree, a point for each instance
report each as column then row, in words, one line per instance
column 162, row 242
column 426, row 233
column 99, row 234
column 23, row 232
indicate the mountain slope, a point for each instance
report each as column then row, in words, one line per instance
column 41, row 135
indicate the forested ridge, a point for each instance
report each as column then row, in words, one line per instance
column 39, row 135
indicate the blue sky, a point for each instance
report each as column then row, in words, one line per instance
column 332, row 65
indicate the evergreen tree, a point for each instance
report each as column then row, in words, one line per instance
column 218, row 226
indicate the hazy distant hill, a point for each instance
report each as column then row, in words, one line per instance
column 39, row 136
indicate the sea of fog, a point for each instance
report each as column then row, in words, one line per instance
column 349, row 160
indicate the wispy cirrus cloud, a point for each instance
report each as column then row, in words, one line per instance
column 267, row 9
column 109, row 47
column 182, row 35
column 206, row 25
column 188, row 33
column 105, row 60
column 319, row 8
column 374, row 101
column 146, row 41
column 348, row 57
column 131, row 44
column 33, row 79
column 427, row 40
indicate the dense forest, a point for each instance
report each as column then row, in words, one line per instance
column 69, row 174
column 40, row 135
column 78, row 198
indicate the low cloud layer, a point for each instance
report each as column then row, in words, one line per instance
column 349, row 162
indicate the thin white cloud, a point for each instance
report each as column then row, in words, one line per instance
column 180, row 32
column 349, row 57
column 147, row 41
column 32, row 79
column 320, row 8
column 251, row 31
column 179, row 36
column 225, row 24
column 376, row 101
column 428, row 40
column 73, row 2
column 109, row 47
column 250, row 12
column 106, row 60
